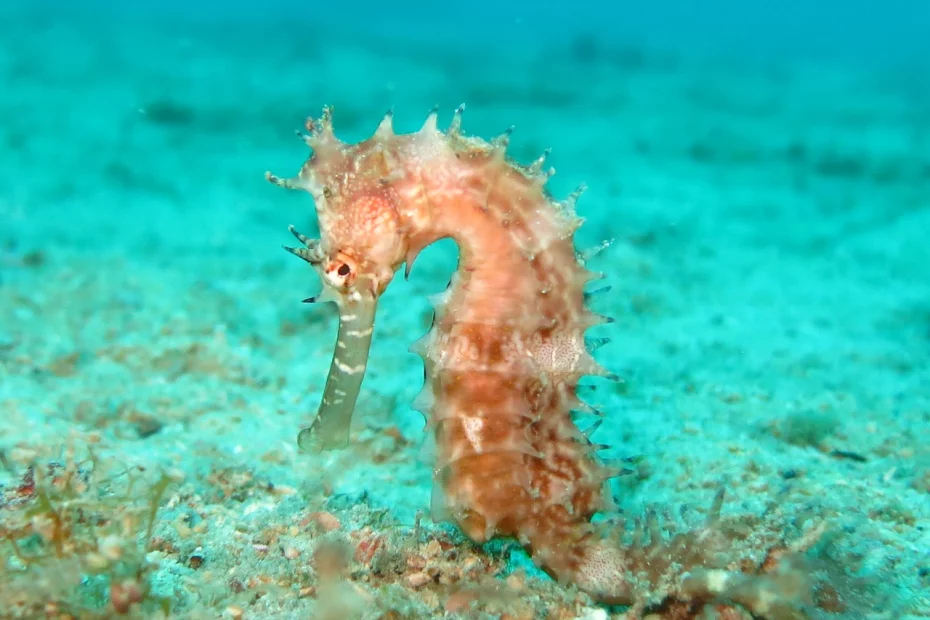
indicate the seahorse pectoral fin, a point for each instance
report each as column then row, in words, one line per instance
column 330, row 429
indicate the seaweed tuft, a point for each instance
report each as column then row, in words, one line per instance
column 79, row 531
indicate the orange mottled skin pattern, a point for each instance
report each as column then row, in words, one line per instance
column 506, row 349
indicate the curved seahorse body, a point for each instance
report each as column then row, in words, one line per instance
column 507, row 346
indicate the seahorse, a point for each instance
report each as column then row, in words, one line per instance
column 506, row 350
column 502, row 363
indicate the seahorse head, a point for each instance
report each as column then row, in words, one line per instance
column 361, row 246
column 361, row 242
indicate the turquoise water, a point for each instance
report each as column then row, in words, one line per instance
column 764, row 172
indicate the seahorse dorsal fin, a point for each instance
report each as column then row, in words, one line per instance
column 438, row 508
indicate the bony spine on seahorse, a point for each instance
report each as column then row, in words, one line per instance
column 507, row 348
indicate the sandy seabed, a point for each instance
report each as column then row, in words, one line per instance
column 770, row 282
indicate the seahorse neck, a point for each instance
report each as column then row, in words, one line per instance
column 493, row 275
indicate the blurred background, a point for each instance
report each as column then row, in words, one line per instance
column 764, row 170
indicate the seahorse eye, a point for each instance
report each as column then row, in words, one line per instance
column 343, row 270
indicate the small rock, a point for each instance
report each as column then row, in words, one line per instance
column 432, row 549
column 418, row 579
column 326, row 521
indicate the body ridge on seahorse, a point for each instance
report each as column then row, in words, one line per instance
column 507, row 346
